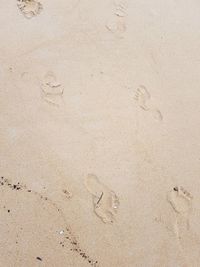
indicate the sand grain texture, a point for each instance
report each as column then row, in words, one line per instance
column 99, row 133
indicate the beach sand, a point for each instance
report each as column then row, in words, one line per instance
column 99, row 133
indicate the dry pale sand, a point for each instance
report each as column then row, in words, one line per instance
column 100, row 133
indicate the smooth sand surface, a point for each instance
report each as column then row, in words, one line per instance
column 100, row 133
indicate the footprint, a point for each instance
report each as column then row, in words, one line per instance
column 144, row 101
column 116, row 24
column 29, row 8
column 142, row 96
column 181, row 202
column 187, row 237
column 105, row 201
column 157, row 114
column 52, row 90
column 120, row 8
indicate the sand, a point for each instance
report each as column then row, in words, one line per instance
column 99, row 133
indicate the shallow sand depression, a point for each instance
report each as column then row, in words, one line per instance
column 100, row 133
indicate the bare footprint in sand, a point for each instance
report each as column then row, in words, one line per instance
column 116, row 24
column 181, row 202
column 105, row 201
column 157, row 114
column 144, row 101
column 51, row 89
column 29, row 8
column 142, row 96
